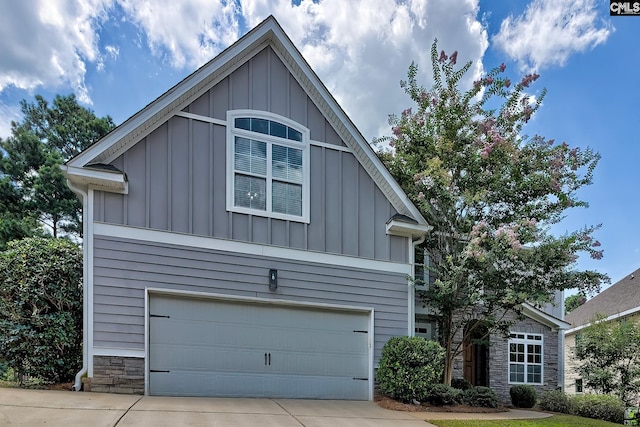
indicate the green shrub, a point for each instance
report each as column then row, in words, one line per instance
column 409, row 366
column 41, row 308
column 480, row 396
column 555, row 401
column 461, row 384
column 443, row 395
column 598, row 406
column 523, row 396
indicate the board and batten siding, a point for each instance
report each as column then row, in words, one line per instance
column 124, row 267
column 177, row 175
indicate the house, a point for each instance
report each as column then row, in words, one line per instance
column 621, row 301
column 241, row 238
column 532, row 354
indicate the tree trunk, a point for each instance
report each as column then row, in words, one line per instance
column 448, row 363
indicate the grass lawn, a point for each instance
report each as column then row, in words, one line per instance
column 554, row 421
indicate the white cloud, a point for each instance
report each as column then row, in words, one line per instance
column 188, row 32
column 359, row 51
column 112, row 51
column 362, row 52
column 46, row 44
column 548, row 32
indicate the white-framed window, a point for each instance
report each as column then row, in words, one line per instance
column 525, row 358
column 267, row 165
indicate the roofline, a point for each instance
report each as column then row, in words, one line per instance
column 542, row 317
column 268, row 32
column 606, row 319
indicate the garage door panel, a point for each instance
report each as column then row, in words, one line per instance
column 188, row 383
column 217, row 348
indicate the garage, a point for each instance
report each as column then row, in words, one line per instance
column 231, row 348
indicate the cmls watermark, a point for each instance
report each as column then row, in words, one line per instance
column 624, row 8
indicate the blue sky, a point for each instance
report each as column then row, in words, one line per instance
column 119, row 55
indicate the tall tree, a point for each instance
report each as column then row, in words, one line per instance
column 36, row 192
column 491, row 195
column 608, row 358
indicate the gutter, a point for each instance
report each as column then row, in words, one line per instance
column 77, row 386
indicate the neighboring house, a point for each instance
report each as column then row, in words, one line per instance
column 241, row 238
column 531, row 355
column 621, row 301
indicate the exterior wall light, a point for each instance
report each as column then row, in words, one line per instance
column 273, row 279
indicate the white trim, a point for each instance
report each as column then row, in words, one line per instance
column 606, row 319
column 269, row 140
column 103, row 180
column 88, row 240
column 147, row 333
column 372, row 340
column 220, row 122
column 119, row 352
column 525, row 341
column 330, row 146
column 201, row 118
column 406, row 229
column 258, row 300
column 542, row 317
column 166, row 237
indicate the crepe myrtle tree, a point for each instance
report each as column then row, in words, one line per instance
column 491, row 194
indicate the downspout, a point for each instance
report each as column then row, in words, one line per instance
column 561, row 376
column 411, row 290
column 77, row 386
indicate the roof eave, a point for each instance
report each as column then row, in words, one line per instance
column 114, row 182
column 544, row 318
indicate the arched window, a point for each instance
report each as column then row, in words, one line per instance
column 267, row 165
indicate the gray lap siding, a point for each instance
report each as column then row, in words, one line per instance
column 124, row 267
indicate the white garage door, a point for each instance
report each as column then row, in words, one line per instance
column 200, row 347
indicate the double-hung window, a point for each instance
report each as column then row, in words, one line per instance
column 525, row 358
column 267, row 166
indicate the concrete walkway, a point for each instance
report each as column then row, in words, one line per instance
column 64, row 408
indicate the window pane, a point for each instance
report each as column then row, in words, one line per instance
column 259, row 157
column 278, row 129
column 250, row 192
column 260, row 125
column 294, row 135
column 286, row 163
column 534, row 374
column 243, row 123
column 287, row 198
column 516, row 372
column 250, row 156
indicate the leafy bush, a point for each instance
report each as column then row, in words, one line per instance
column 461, row 384
column 409, row 366
column 599, row 406
column 555, row 401
column 523, row 396
column 480, row 396
column 443, row 395
column 41, row 308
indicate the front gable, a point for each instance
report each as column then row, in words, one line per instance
column 177, row 158
column 261, row 83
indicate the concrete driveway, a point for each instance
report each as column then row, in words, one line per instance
column 64, row 408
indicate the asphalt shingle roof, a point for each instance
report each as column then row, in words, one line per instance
column 621, row 296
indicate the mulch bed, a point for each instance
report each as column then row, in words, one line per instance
column 388, row 403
